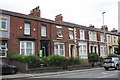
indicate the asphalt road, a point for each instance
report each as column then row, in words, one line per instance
column 88, row 75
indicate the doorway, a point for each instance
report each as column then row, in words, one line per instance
column 72, row 50
column 44, row 48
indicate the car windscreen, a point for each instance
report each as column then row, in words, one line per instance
column 106, row 60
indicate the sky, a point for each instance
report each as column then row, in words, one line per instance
column 82, row 12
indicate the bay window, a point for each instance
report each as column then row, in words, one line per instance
column 59, row 49
column 26, row 47
column 3, row 49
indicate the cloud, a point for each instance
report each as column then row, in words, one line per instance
column 83, row 12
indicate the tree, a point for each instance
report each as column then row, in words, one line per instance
column 117, row 50
column 92, row 58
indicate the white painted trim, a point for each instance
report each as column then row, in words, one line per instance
column 58, row 26
column 70, row 29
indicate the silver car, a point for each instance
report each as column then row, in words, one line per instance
column 113, row 62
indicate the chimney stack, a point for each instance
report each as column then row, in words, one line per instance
column 92, row 26
column 35, row 12
column 114, row 30
column 59, row 17
column 104, row 27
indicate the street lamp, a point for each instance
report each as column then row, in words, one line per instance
column 104, row 33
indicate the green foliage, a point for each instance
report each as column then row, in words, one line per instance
column 52, row 60
column 74, row 61
column 33, row 61
column 55, row 60
column 93, row 57
column 112, row 55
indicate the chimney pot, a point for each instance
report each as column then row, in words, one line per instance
column 35, row 12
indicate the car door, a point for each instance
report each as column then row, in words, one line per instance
column 5, row 68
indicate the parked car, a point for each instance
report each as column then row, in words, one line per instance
column 113, row 62
column 5, row 68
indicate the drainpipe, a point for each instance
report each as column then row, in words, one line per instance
column 50, row 41
column 37, row 37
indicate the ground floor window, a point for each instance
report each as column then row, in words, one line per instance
column 26, row 47
column 82, row 48
column 59, row 49
column 103, row 51
column 93, row 49
column 3, row 49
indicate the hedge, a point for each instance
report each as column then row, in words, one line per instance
column 52, row 60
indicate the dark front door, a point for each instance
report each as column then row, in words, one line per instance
column 71, row 50
column 44, row 48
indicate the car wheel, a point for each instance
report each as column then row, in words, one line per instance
column 13, row 71
column 117, row 67
column 106, row 68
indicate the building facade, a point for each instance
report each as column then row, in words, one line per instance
column 28, row 34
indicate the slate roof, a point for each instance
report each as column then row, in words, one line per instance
column 68, row 24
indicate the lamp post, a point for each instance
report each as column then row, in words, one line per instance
column 104, row 33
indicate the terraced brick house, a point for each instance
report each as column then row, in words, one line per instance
column 28, row 34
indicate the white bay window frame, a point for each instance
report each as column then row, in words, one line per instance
column 59, row 49
column 24, row 48
column 82, row 48
column 3, row 47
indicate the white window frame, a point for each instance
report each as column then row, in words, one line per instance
column 43, row 32
column 94, row 36
column 57, row 51
column 90, row 36
column 25, row 48
column 59, row 34
column 5, row 46
column 82, row 35
column 82, row 51
column 101, row 37
column 71, row 36
column 109, row 39
column 102, row 51
column 27, row 28
column 1, row 23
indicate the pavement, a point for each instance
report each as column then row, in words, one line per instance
column 25, row 75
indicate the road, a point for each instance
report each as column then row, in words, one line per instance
column 87, row 75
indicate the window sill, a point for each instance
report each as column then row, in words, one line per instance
column 4, row 30
column 3, row 57
column 59, row 37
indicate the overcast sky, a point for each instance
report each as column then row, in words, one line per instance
column 83, row 12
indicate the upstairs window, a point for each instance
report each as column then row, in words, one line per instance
column 90, row 36
column 59, row 33
column 71, row 34
column 3, row 24
column 82, row 37
column 114, row 40
column 43, row 30
column 94, row 37
column 27, row 28
column 109, row 39
column 101, row 37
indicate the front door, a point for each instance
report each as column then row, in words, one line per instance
column 72, row 50
column 44, row 48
